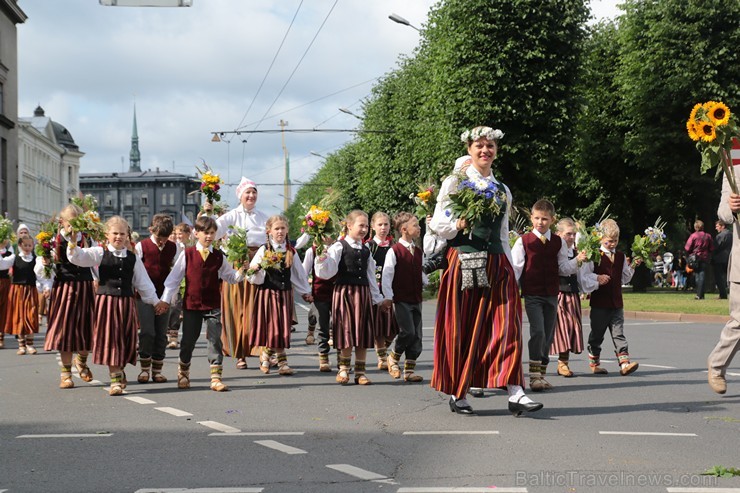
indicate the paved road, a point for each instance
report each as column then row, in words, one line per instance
column 654, row 431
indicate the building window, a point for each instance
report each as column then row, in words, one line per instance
column 144, row 221
column 164, row 198
column 144, row 199
column 128, row 199
column 129, row 219
column 189, row 214
column 2, row 99
column 172, row 198
column 108, row 200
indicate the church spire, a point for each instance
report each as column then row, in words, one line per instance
column 134, row 155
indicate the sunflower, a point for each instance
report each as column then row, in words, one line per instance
column 706, row 131
column 719, row 114
column 694, row 110
column 691, row 127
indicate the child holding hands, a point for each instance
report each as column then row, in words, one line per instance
column 272, row 316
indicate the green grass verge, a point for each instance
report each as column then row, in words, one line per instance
column 663, row 300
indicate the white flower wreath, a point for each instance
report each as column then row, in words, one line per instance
column 479, row 132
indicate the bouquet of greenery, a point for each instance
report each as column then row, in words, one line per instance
column 271, row 260
column 425, row 200
column 476, row 199
column 219, row 208
column 89, row 224
column 45, row 243
column 7, row 233
column 86, row 203
column 646, row 246
column 237, row 246
column 589, row 240
column 713, row 127
column 318, row 224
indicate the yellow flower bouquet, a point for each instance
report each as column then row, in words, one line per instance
column 6, row 230
column 45, row 243
column 271, row 260
column 318, row 224
column 210, row 183
column 425, row 200
column 88, row 222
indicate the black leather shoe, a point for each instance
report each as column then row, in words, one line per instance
column 456, row 408
column 517, row 408
column 477, row 392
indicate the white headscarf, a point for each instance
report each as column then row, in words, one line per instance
column 243, row 185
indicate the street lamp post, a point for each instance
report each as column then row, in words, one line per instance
column 397, row 18
column 345, row 110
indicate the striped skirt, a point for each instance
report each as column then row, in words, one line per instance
column 4, row 293
column 477, row 332
column 71, row 317
column 386, row 325
column 237, row 304
column 568, row 328
column 352, row 321
column 23, row 310
column 272, row 318
column 115, row 332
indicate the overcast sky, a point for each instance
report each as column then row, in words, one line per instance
column 192, row 71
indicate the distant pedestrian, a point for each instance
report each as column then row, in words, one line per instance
column 721, row 257
column 701, row 245
column 658, row 267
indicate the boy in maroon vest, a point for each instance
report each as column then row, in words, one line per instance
column 403, row 281
column 203, row 267
column 158, row 255
column 321, row 290
column 607, row 310
column 539, row 259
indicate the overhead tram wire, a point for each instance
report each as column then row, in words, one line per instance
column 297, row 65
column 272, row 63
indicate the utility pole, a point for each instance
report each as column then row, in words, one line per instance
column 286, row 163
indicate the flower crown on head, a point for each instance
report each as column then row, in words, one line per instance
column 479, row 132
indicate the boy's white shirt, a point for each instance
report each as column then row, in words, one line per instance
column 389, row 271
column 589, row 278
column 566, row 266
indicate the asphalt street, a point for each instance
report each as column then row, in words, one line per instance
column 655, row 431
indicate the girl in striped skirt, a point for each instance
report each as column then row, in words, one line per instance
column 568, row 327
column 71, row 304
column 272, row 316
column 478, row 331
column 23, row 302
column 5, row 264
column 116, row 321
column 355, row 293
column 386, row 326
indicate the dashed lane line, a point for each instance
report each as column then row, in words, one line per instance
column 258, row 434
column 139, row 400
column 356, row 472
column 199, row 490
column 173, row 411
column 281, row 447
column 214, row 425
column 647, row 433
column 67, row 435
column 658, row 366
column 460, row 489
column 452, row 432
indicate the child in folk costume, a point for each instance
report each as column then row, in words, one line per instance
column 22, row 319
column 403, row 284
column 116, row 321
column 272, row 316
column 71, row 304
column 5, row 253
column 355, row 293
column 538, row 259
column 321, row 290
column 568, row 326
column 607, row 307
column 386, row 326
column 203, row 267
column 158, row 256
column 183, row 238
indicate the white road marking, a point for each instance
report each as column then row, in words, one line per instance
column 460, row 489
column 356, row 472
column 68, row 435
column 287, row 449
column 258, row 434
column 486, row 432
column 307, row 308
column 140, row 400
column 95, row 382
column 703, row 490
column 728, row 373
column 200, row 490
column 647, row 433
column 173, row 411
column 214, row 425
column 658, row 366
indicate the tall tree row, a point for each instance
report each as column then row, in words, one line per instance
column 592, row 115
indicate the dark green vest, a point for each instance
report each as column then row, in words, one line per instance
column 486, row 237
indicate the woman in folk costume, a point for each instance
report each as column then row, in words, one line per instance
column 478, row 331
column 120, row 271
column 237, row 300
column 71, row 305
